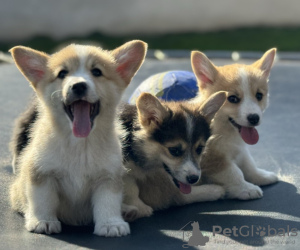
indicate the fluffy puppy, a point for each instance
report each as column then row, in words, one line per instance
column 227, row 160
column 67, row 155
column 162, row 148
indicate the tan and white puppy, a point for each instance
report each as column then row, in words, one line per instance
column 67, row 155
column 227, row 160
column 162, row 148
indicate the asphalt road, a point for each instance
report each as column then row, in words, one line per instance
column 278, row 150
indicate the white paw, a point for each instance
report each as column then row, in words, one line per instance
column 246, row 191
column 216, row 192
column 116, row 228
column 43, row 226
column 129, row 212
column 205, row 192
column 264, row 177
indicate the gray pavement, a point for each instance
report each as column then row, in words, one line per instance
column 278, row 150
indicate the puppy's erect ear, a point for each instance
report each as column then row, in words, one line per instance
column 265, row 63
column 211, row 106
column 129, row 58
column 150, row 111
column 31, row 63
column 203, row 68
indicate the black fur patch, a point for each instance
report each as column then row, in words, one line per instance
column 128, row 118
column 175, row 127
column 204, row 130
column 21, row 132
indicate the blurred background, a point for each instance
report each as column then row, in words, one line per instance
column 227, row 25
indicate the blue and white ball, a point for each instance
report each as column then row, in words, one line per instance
column 168, row 86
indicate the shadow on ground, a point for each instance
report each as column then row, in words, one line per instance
column 163, row 228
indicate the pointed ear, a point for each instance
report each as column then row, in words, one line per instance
column 203, row 68
column 212, row 105
column 265, row 63
column 151, row 112
column 31, row 63
column 129, row 58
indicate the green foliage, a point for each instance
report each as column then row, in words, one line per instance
column 244, row 39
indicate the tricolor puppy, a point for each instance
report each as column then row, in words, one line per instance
column 162, row 147
column 67, row 155
column 227, row 160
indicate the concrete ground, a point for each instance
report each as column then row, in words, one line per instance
column 276, row 213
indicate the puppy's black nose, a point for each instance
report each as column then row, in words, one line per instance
column 192, row 179
column 253, row 119
column 79, row 89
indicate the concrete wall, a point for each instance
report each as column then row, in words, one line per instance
column 21, row 19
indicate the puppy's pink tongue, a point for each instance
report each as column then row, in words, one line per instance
column 184, row 188
column 249, row 135
column 81, row 122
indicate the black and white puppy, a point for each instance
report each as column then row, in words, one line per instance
column 162, row 148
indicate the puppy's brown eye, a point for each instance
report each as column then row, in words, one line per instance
column 176, row 151
column 259, row 96
column 96, row 72
column 199, row 149
column 233, row 99
column 62, row 74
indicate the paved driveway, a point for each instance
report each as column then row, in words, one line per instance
column 278, row 150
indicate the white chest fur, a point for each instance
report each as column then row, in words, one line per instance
column 78, row 164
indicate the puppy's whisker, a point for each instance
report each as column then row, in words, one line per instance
column 57, row 91
column 56, row 94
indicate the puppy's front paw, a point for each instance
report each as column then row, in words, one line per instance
column 247, row 191
column 116, row 228
column 43, row 226
column 216, row 192
column 264, row 177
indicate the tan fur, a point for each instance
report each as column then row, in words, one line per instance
column 226, row 159
column 150, row 111
column 62, row 177
column 227, row 79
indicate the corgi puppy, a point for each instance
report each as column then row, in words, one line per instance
column 67, row 155
column 162, row 149
column 227, row 160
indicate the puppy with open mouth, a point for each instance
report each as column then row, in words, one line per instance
column 162, row 147
column 227, row 160
column 66, row 152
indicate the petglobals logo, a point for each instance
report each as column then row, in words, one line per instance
column 250, row 231
column 251, row 234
